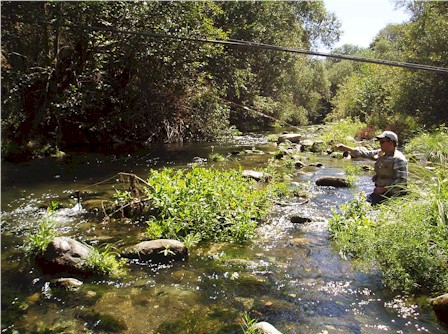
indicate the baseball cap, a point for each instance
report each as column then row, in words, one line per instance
column 390, row 135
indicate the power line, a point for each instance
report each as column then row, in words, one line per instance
column 241, row 43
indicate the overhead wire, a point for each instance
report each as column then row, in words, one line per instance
column 248, row 44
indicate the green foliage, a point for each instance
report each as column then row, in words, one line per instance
column 37, row 241
column 407, row 239
column 352, row 172
column 434, row 145
column 204, row 204
column 342, row 132
column 248, row 325
column 104, row 262
column 67, row 86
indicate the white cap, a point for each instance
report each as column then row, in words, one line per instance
column 388, row 134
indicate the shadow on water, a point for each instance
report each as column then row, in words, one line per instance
column 289, row 275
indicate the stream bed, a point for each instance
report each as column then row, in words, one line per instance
column 289, row 275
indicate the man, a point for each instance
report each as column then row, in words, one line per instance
column 391, row 167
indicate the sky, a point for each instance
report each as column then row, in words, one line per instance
column 362, row 20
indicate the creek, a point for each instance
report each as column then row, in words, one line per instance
column 289, row 275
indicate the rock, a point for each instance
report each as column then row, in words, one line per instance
column 257, row 176
column 64, row 255
column 292, row 137
column 318, row 146
column 440, row 306
column 332, row 181
column 157, row 251
column 299, row 164
column 316, row 164
column 299, row 242
column 66, row 283
column 296, row 219
column 306, row 145
column 266, row 328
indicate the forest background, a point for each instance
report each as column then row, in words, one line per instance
column 67, row 86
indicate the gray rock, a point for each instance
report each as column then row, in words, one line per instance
column 292, row 137
column 266, row 328
column 332, row 181
column 157, row 251
column 306, row 145
column 64, row 255
column 66, row 283
column 257, row 176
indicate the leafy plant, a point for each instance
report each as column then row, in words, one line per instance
column 205, row 203
column 342, row 131
column 104, row 262
column 248, row 325
column 38, row 240
column 406, row 239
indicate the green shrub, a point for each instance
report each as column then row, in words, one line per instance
column 342, row 132
column 206, row 203
column 406, row 238
column 433, row 145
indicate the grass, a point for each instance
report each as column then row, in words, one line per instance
column 434, row 145
column 104, row 262
column 406, row 238
column 37, row 241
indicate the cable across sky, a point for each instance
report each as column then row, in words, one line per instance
column 248, row 44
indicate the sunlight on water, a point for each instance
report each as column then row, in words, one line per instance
column 289, row 275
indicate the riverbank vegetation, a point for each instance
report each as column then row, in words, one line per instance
column 97, row 74
column 406, row 238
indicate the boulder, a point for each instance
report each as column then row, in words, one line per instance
column 332, row 181
column 257, row 176
column 292, row 137
column 299, row 164
column 64, row 255
column 157, row 251
column 266, row 328
column 296, row 219
column 440, row 306
column 66, row 283
column 306, row 145
column 318, row 146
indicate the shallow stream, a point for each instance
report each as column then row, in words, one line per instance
column 289, row 276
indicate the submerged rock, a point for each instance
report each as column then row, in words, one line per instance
column 157, row 251
column 332, row 181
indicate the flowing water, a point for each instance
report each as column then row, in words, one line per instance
column 289, row 276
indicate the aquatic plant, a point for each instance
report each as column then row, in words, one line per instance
column 206, row 203
column 352, row 172
column 36, row 241
column 406, row 237
column 104, row 261
column 248, row 325
column 216, row 157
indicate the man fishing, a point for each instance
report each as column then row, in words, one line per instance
column 391, row 167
